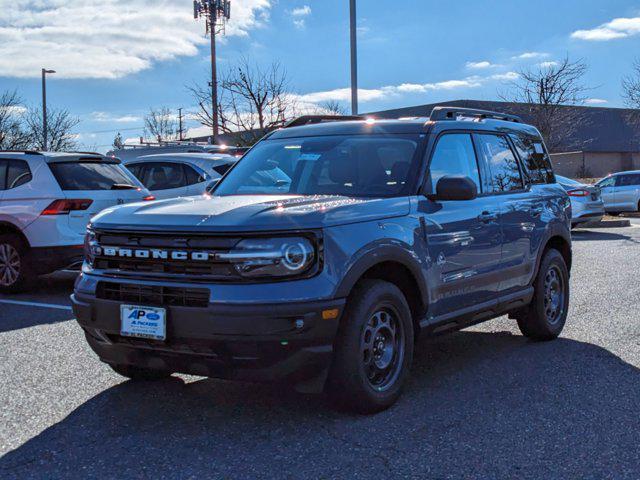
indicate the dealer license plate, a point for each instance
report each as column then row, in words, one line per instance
column 143, row 322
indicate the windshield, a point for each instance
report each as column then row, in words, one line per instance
column 357, row 165
column 91, row 175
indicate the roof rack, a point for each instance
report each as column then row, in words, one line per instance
column 26, row 152
column 452, row 113
column 311, row 119
column 85, row 153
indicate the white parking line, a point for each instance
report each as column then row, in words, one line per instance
column 36, row 304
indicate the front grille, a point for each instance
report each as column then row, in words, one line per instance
column 211, row 269
column 153, row 295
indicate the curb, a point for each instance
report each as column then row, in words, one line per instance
column 606, row 224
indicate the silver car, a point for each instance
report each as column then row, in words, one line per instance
column 621, row 192
column 586, row 201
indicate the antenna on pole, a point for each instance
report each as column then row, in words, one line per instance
column 216, row 14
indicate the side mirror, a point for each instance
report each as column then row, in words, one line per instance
column 456, row 187
column 211, row 187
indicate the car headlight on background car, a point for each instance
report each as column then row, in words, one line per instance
column 271, row 257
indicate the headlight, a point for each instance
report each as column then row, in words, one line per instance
column 271, row 257
column 90, row 245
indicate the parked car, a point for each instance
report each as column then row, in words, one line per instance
column 621, row 192
column 132, row 152
column 46, row 202
column 180, row 174
column 381, row 231
column 586, row 202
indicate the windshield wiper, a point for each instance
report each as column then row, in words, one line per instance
column 123, row 186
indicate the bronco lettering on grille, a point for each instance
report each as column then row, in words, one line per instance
column 153, row 253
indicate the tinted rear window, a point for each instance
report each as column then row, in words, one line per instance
column 90, row 175
column 534, row 157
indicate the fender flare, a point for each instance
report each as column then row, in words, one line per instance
column 554, row 230
column 378, row 254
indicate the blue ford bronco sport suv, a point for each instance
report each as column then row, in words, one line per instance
column 324, row 252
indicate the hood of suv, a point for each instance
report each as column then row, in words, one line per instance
column 250, row 213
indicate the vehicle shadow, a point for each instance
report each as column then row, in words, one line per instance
column 593, row 235
column 479, row 405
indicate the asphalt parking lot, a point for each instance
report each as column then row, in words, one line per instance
column 482, row 403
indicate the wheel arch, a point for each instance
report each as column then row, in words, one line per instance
column 559, row 240
column 9, row 228
column 395, row 266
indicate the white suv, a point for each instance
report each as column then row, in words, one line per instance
column 46, row 202
column 172, row 175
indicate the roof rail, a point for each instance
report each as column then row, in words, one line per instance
column 311, row 119
column 85, row 153
column 27, row 152
column 452, row 113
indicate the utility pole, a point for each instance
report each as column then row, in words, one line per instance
column 354, row 59
column 216, row 14
column 180, row 124
column 45, row 131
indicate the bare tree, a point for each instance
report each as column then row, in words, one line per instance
column 60, row 125
column 161, row 124
column 332, row 107
column 631, row 86
column 548, row 89
column 251, row 100
column 12, row 133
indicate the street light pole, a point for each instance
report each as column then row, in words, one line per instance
column 45, row 131
column 354, row 59
column 214, row 73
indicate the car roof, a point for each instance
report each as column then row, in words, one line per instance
column 413, row 125
column 623, row 173
column 185, row 156
column 59, row 157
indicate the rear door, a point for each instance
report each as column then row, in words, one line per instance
column 627, row 191
column 105, row 184
column 23, row 198
column 463, row 237
column 519, row 206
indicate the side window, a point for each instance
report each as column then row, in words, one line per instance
column 3, row 174
column 628, row 180
column 192, row 176
column 503, row 165
column 453, row 155
column 137, row 170
column 18, row 174
column 607, row 182
column 164, row 176
column 534, row 158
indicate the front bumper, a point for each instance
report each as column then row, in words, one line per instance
column 268, row 342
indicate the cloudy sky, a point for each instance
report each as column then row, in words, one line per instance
column 117, row 58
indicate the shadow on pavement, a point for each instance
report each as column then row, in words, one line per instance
column 593, row 235
column 479, row 406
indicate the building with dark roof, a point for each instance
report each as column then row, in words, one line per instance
column 597, row 142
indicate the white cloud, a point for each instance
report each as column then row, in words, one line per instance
column 480, row 65
column 108, row 38
column 548, row 64
column 616, row 28
column 299, row 16
column 107, row 117
column 530, row 55
column 505, row 76
column 595, row 101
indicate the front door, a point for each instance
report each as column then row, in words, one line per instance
column 608, row 193
column 463, row 237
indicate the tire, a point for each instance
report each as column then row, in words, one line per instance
column 546, row 315
column 368, row 377
column 140, row 373
column 15, row 272
column 614, row 214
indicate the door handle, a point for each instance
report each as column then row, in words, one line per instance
column 487, row 217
